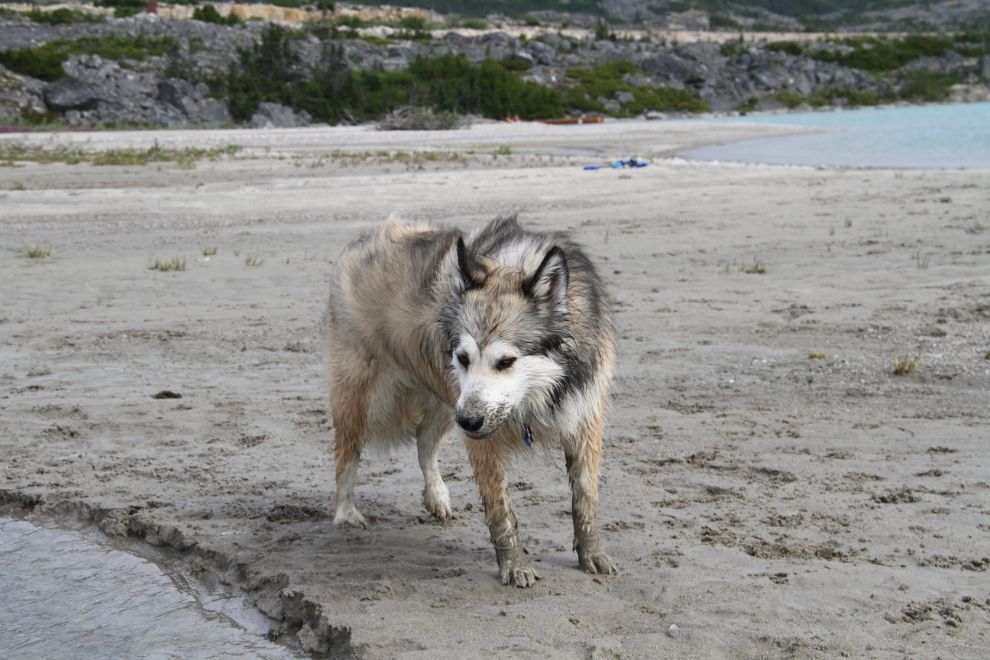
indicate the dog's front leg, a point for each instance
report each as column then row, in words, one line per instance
column 489, row 458
column 582, row 457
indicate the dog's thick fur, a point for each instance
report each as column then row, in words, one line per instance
column 501, row 332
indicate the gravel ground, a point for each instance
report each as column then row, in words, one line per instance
column 770, row 488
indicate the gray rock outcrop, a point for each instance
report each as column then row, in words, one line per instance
column 275, row 115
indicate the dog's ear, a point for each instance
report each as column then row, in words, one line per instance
column 548, row 285
column 471, row 271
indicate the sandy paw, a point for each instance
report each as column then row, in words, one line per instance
column 437, row 501
column 349, row 515
column 515, row 570
column 597, row 562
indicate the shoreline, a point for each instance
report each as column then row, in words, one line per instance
column 758, row 499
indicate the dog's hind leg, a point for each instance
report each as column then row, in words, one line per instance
column 429, row 434
column 349, row 402
column 489, row 459
column 582, row 456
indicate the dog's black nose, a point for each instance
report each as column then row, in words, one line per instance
column 471, row 424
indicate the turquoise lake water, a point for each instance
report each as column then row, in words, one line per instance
column 925, row 137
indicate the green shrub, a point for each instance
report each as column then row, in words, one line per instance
column 882, row 56
column 605, row 81
column 723, row 22
column 730, row 48
column 209, row 14
column 474, row 24
column 271, row 71
column 62, row 16
column 928, row 87
column 789, row 47
column 45, row 62
column 123, row 8
column 417, row 23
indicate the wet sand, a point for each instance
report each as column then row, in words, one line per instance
column 770, row 488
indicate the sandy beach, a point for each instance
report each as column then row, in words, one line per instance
column 770, row 487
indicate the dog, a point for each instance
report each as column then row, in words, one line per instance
column 505, row 333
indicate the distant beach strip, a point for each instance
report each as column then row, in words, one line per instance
column 920, row 137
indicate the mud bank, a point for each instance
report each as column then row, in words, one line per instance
column 770, row 488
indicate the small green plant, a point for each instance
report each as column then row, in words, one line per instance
column 504, row 150
column 906, row 364
column 818, row 355
column 37, row 252
column 922, row 260
column 17, row 186
column 208, row 251
column 209, row 14
column 254, row 260
column 166, row 265
column 848, row 223
column 758, row 267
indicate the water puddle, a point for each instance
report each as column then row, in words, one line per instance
column 77, row 594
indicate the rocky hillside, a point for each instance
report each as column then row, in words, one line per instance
column 152, row 70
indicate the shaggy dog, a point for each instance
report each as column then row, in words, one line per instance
column 505, row 333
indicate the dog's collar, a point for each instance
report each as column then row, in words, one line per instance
column 527, row 434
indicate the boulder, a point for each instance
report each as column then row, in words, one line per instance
column 71, row 94
column 177, row 93
column 542, row 53
column 497, row 39
column 524, row 57
column 276, row 115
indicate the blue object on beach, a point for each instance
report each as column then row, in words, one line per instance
column 640, row 163
column 592, row 167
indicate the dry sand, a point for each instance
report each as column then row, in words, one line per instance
column 760, row 503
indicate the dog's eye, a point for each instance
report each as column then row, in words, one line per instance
column 505, row 363
column 463, row 359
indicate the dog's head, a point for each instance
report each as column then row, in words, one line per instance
column 505, row 323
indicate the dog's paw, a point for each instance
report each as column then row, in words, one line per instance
column 349, row 515
column 437, row 501
column 515, row 569
column 596, row 562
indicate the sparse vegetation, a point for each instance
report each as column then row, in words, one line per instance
column 166, row 265
column 272, row 71
column 922, row 260
column 607, row 81
column 37, row 252
column 209, row 14
column 253, row 261
column 906, row 364
column 45, row 62
column 502, row 150
column 411, row 118
column 71, row 154
column 208, row 251
column 816, row 355
column 758, row 267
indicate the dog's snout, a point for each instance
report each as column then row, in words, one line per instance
column 471, row 424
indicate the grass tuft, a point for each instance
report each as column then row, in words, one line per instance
column 758, row 267
column 254, row 260
column 37, row 252
column 208, row 251
column 166, row 265
column 817, row 355
column 906, row 364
